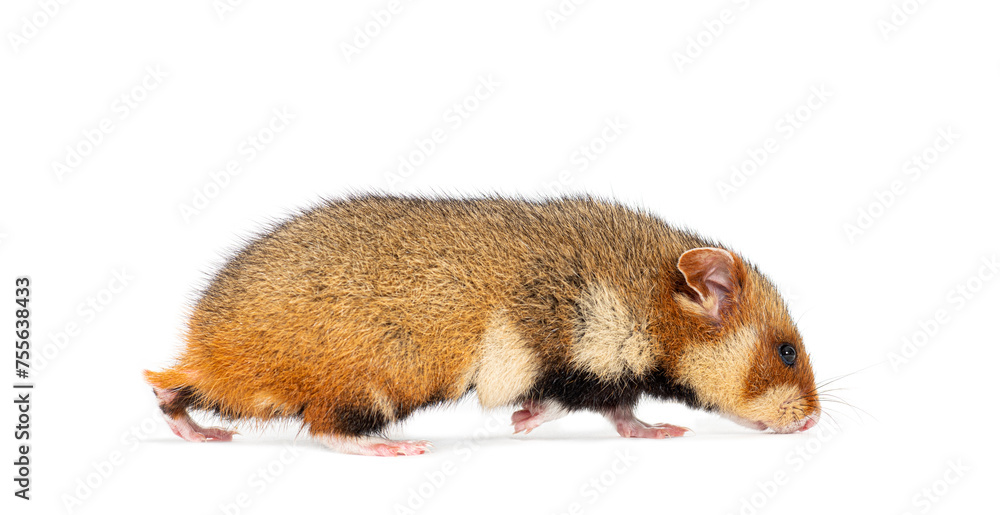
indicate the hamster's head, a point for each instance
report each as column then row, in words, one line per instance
column 745, row 358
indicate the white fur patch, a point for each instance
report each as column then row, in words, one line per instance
column 716, row 371
column 507, row 368
column 610, row 342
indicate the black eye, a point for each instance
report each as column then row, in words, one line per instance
column 787, row 353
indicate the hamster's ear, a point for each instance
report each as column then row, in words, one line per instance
column 716, row 275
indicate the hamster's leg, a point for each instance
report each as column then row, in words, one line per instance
column 630, row 427
column 174, row 405
column 536, row 413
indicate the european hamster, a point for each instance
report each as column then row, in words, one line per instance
column 355, row 313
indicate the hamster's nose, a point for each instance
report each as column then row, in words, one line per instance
column 811, row 421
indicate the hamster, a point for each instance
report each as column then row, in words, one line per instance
column 357, row 312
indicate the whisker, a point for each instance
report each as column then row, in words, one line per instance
column 831, row 398
column 821, row 393
column 838, row 378
column 856, row 410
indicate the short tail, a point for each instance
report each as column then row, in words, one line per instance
column 172, row 390
column 175, row 394
column 167, row 380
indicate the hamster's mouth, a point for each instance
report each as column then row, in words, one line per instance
column 797, row 426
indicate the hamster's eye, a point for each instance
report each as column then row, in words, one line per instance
column 787, row 353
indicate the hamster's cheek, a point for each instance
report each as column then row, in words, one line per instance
column 718, row 371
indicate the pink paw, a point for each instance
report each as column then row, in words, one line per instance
column 534, row 414
column 639, row 429
column 217, row 433
column 400, row 448
column 374, row 446
column 185, row 428
column 524, row 420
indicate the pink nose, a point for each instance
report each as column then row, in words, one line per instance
column 809, row 423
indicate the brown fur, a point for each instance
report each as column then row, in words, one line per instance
column 361, row 310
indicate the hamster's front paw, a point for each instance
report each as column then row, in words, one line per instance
column 643, row 430
column 536, row 413
column 631, row 427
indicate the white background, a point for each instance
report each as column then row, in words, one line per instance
column 683, row 124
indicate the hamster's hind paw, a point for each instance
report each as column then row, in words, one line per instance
column 371, row 446
column 185, row 428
